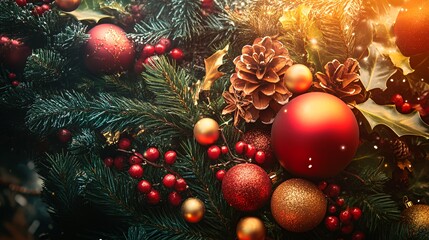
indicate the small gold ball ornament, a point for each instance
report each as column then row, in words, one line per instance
column 298, row 78
column 250, row 228
column 67, row 5
column 416, row 216
column 298, row 205
column 206, row 131
column 193, row 210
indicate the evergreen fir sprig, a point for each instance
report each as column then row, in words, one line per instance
column 69, row 40
column 151, row 31
column 186, row 19
column 84, row 142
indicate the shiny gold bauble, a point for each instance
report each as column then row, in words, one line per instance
column 67, row 5
column 298, row 205
column 417, row 217
column 298, row 78
column 193, row 210
column 206, row 131
column 250, row 228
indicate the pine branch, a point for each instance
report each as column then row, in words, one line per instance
column 136, row 233
column 151, row 31
column 84, row 142
column 70, row 40
column 186, row 19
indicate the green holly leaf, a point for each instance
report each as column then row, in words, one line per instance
column 95, row 10
column 401, row 124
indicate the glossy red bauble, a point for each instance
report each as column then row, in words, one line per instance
column 136, row 171
column 332, row 209
column 151, row 154
column 406, row 108
column 214, row 152
column 108, row 50
column 144, row 186
column 170, row 157
column 174, row 199
column 411, row 28
column 14, row 56
column 397, row 99
column 340, row 202
column 315, row 135
column 224, row 149
column 169, row 180
column 246, row 187
column 180, row 185
column 153, row 197
column 11, row 75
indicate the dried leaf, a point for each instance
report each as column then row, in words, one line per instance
column 401, row 124
column 212, row 65
column 376, row 69
column 112, row 137
column 400, row 61
column 405, row 165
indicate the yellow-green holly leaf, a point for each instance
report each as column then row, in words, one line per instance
column 88, row 15
column 400, row 61
column 401, row 124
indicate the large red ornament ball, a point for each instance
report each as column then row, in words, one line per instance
column 108, row 50
column 411, row 27
column 246, row 187
column 315, row 135
column 14, row 56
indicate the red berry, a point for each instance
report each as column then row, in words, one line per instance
column 332, row 223
column 136, row 171
column 345, row 216
column 180, row 185
column 358, row 236
column 170, row 157
column 333, row 190
column 397, row 99
column 108, row 161
column 64, row 135
column 138, row 66
column 160, row 49
column 224, row 149
column 177, row 54
column 136, row 158
column 119, row 162
column 4, row 40
column 21, row 3
column 347, row 229
column 169, row 180
column 340, row 202
column 46, row 7
column 151, row 154
column 15, row 83
column 220, row 174
column 11, row 75
column 144, row 186
column 250, row 151
column 332, row 209
column 15, row 43
column 153, row 197
column 406, row 108
column 240, row 147
column 356, row 213
column 148, row 51
column 124, row 143
column 214, row 152
column 322, row 185
column 174, row 198
column 150, row 61
column 166, row 42
column 260, row 157
column 207, row 3
column 38, row 10
column 135, row 8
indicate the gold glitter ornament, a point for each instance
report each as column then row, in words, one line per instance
column 416, row 216
column 250, row 228
column 193, row 210
column 298, row 205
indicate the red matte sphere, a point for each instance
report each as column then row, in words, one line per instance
column 411, row 27
column 246, row 187
column 315, row 135
column 108, row 50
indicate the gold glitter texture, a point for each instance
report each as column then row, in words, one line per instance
column 417, row 216
column 298, row 205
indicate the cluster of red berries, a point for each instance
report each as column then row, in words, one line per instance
column 401, row 105
column 136, row 14
column 340, row 217
column 207, row 7
column 149, row 52
column 13, row 81
column 38, row 10
column 136, row 170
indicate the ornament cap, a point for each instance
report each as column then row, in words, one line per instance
column 407, row 202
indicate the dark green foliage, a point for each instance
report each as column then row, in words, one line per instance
column 151, row 31
column 83, row 143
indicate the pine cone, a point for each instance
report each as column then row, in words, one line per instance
column 259, row 77
column 401, row 150
column 343, row 81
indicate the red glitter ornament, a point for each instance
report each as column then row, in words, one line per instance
column 108, row 50
column 246, row 187
column 315, row 135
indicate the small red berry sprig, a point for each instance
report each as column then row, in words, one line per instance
column 340, row 218
column 402, row 106
column 150, row 53
column 136, row 162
